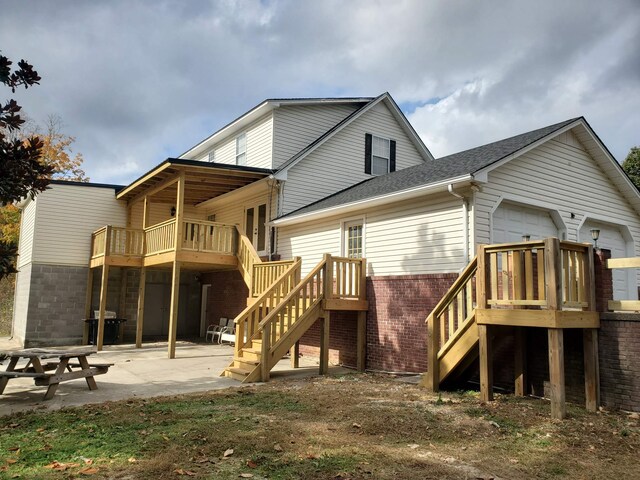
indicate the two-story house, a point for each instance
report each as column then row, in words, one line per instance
column 230, row 227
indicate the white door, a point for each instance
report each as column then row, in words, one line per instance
column 512, row 221
column 256, row 227
column 611, row 239
column 203, row 308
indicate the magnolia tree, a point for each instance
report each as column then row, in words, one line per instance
column 21, row 171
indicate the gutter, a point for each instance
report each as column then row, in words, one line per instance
column 465, row 221
column 372, row 202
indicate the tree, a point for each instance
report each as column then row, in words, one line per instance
column 57, row 152
column 21, row 172
column 631, row 166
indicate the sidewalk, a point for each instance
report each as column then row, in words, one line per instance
column 143, row 373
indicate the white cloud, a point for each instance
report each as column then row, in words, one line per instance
column 137, row 81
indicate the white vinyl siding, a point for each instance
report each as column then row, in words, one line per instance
column 404, row 238
column 230, row 210
column 295, row 127
column 157, row 213
column 65, row 218
column 339, row 162
column 27, row 228
column 258, row 145
column 560, row 175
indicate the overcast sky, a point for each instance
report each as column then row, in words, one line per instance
column 138, row 81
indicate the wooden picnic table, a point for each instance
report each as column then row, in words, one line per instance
column 50, row 367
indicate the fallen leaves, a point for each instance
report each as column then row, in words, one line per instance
column 61, row 467
column 181, row 471
column 227, row 453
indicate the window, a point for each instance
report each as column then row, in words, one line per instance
column 353, row 239
column 380, row 155
column 212, row 156
column 241, row 149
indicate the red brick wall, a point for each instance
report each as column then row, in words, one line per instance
column 227, row 295
column 619, row 343
column 604, row 279
column 396, row 329
column 342, row 339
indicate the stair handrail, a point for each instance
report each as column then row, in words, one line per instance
column 314, row 296
column 247, row 257
column 248, row 321
column 435, row 337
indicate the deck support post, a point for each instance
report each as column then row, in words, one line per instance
column 591, row 370
column 87, row 307
column 590, row 345
column 103, row 305
column 556, row 373
column 140, row 315
column 432, row 377
column 294, row 353
column 122, row 309
column 362, row 341
column 486, row 364
column 265, row 371
column 520, row 362
column 173, row 315
column 175, row 279
column 325, row 320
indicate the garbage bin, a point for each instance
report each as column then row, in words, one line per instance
column 111, row 330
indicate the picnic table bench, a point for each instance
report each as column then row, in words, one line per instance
column 51, row 373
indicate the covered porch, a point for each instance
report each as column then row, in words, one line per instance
column 170, row 233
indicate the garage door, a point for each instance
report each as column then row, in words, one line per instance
column 511, row 222
column 611, row 239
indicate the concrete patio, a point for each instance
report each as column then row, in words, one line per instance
column 143, row 373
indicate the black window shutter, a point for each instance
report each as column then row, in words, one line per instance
column 392, row 155
column 367, row 153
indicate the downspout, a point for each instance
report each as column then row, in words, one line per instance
column 465, row 222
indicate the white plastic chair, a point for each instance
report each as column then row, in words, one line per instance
column 214, row 330
column 228, row 334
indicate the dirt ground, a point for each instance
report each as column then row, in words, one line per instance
column 353, row 426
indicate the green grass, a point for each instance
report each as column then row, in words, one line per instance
column 362, row 426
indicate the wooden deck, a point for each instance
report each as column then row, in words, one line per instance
column 274, row 322
column 201, row 244
column 538, row 284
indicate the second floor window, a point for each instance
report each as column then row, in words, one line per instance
column 380, row 155
column 241, row 149
column 212, row 156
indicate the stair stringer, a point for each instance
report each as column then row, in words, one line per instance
column 459, row 347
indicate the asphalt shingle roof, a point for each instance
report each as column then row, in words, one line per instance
column 449, row 167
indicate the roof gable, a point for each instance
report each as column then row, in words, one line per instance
column 281, row 174
column 255, row 113
column 472, row 164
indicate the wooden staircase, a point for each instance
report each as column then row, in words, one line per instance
column 544, row 283
column 281, row 314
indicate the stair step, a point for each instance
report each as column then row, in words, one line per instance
column 238, row 374
column 245, row 363
column 251, row 354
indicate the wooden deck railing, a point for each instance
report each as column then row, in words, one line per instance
column 249, row 319
column 126, row 241
column 623, row 305
column 247, row 257
column 297, row 306
column 349, row 277
column 98, row 242
column 160, row 238
column 266, row 273
column 121, row 241
column 538, row 274
column 212, row 237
